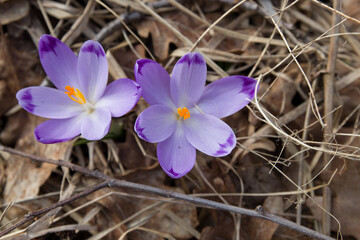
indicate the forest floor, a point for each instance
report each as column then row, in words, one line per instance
column 298, row 142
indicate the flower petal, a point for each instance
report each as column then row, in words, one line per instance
column 154, row 81
column 96, row 124
column 120, row 97
column 176, row 155
column 156, row 123
column 58, row 130
column 227, row 95
column 209, row 134
column 188, row 79
column 48, row 102
column 92, row 70
column 58, row 61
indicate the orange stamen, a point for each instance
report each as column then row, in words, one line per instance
column 75, row 95
column 183, row 113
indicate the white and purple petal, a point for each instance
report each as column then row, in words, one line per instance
column 120, row 97
column 92, row 70
column 227, row 95
column 58, row 61
column 209, row 134
column 96, row 124
column 48, row 102
column 58, row 130
column 156, row 123
column 176, row 155
column 188, row 79
column 154, row 81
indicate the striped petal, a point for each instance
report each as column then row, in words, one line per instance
column 58, row 61
column 227, row 95
column 96, row 125
column 188, row 79
column 120, row 97
column 92, row 70
column 209, row 134
column 58, row 130
column 156, row 123
column 155, row 82
column 48, row 102
column 176, row 155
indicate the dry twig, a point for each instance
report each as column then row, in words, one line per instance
column 110, row 182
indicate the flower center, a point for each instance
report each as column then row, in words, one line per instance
column 75, row 95
column 183, row 113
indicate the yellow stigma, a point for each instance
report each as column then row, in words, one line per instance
column 183, row 113
column 75, row 95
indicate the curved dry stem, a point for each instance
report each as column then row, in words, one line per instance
column 110, row 182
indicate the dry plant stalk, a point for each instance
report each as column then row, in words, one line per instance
column 286, row 47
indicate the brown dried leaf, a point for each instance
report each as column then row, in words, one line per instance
column 18, row 62
column 131, row 156
column 174, row 219
column 345, row 188
column 111, row 215
column 13, row 128
column 257, row 178
column 60, row 10
column 14, row 10
column 279, row 97
column 352, row 8
column 126, row 59
column 25, row 177
column 115, row 70
column 262, row 229
column 161, row 37
column 313, row 205
column 223, row 227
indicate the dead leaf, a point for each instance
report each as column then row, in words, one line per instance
column 345, row 188
column 13, row 128
column 126, row 59
column 131, row 156
column 314, row 206
column 278, row 98
column 223, row 227
column 25, row 177
column 174, row 219
column 352, row 8
column 14, row 10
column 265, row 229
column 161, row 36
column 60, row 10
column 257, row 178
column 18, row 68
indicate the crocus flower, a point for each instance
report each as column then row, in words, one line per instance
column 81, row 103
column 185, row 115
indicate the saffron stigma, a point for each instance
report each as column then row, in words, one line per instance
column 183, row 113
column 75, row 95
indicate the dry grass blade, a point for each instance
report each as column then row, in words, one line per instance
column 164, row 235
column 183, row 38
column 298, row 146
column 79, row 24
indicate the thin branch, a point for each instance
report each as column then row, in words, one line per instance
column 214, row 24
column 110, row 182
column 79, row 24
column 125, row 18
column 329, row 88
column 33, row 215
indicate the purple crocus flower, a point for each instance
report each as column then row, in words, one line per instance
column 82, row 103
column 185, row 115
